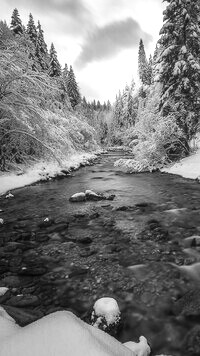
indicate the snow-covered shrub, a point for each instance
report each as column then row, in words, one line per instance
column 153, row 139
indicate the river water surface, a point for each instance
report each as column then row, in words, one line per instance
column 132, row 248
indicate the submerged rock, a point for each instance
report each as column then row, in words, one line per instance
column 192, row 342
column 188, row 304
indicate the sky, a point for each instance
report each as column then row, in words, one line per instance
column 99, row 38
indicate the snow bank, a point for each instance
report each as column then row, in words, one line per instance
column 43, row 171
column 188, row 167
column 62, row 334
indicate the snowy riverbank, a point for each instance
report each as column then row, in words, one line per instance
column 44, row 171
column 188, row 167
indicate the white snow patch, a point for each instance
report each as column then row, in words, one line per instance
column 61, row 334
column 9, row 195
column 3, row 290
column 139, row 349
column 188, row 167
column 107, row 308
column 43, row 171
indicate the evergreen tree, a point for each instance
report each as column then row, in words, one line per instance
column 16, row 23
column 41, row 49
column 108, row 105
column 72, row 89
column 143, row 66
column 31, row 30
column 54, row 65
column 98, row 107
column 179, row 64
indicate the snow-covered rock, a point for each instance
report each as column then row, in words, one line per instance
column 91, row 195
column 105, row 311
column 9, row 195
column 62, row 334
column 78, row 197
column 139, row 349
column 3, row 290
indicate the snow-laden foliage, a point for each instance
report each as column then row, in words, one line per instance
column 153, row 140
column 178, row 64
column 36, row 118
column 144, row 68
column 124, row 114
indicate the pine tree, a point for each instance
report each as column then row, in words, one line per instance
column 179, row 64
column 16, row 23
column 31, row 30
column 41, row 49
column 72, row 89
column 143, row 66
column 54, row 65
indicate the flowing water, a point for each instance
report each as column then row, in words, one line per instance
column 132, row 248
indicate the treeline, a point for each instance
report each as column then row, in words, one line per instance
column 165, row 107
column 40, row 103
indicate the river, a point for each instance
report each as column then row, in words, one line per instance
column 132, row 248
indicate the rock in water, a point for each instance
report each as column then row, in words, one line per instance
column 90, row 195
column 9, row 195
column 106, row 315
column 78, row 197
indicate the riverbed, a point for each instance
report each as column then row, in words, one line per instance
column 59, row 255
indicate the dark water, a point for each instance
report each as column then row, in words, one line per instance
column 131, row 249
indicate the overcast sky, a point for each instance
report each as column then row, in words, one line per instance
column 99, row 38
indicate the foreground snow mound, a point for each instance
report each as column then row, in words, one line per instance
column 62, row 334
column 8, row 326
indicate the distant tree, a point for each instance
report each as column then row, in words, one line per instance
column 16, row 23
column 72, row 89
column 143, row 66
column 31, row 30
column 41, row 49
column 98, row 106
column 54, row 65
column 5, row 34
column 179, row 64
column 108, row 105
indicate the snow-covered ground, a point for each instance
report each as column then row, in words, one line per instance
column 42, row 171
column 63, row 334
column 188, row 167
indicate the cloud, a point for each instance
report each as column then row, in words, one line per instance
column 68, row 14
column 107, row 41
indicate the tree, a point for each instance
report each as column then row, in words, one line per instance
column 41, row 49
column 179, row 64
column 143, row 66
column 31, row 30
column 16, row 23
column 54, row 65
column 72, row 89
